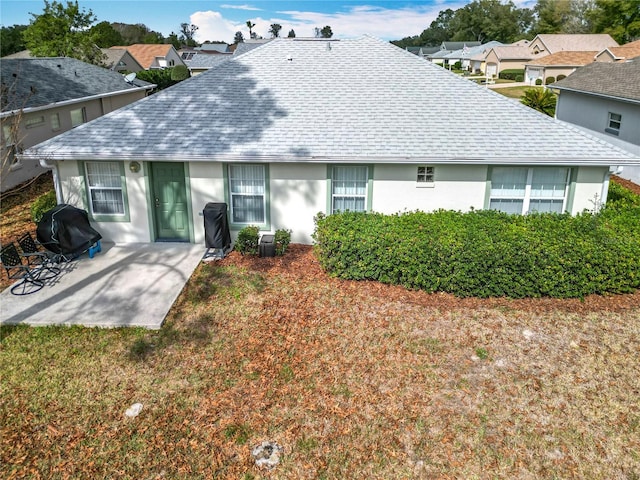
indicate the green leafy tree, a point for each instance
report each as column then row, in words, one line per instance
column 63, row 31
column 250, row 26
column 179, row 73
column 324, row 32
column 542, row 100
column 11, row 40
column 274, row 31
column 174, row 40
column 485, row 20
column 105, row 36
column 564, row 16
column 439, row 31
column 618, row 18
column 187, row 32
column 153, row 38
column 292, row 33
column 239, row 37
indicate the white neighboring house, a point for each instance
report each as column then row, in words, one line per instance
column 44, row 97
column 605, row 98
column 301, row 126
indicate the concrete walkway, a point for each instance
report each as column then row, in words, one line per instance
column 124, row 285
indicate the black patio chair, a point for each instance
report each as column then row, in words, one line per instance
column 13, row 264
column 36, row 257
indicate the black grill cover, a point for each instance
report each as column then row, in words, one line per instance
column 65, row 229
column 216, row 226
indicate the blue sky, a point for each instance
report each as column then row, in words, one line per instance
column 386, row 19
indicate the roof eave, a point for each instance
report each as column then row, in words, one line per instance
column 596, row 94
column 73, row 101
column 411, row 160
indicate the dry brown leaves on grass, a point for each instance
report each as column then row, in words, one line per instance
column 354, row 380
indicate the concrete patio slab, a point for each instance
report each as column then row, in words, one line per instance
column 123, row 286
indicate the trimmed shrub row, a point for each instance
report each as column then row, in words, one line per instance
column 511, row 73
column 486, row 253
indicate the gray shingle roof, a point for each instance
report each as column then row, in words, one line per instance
column 43, row 81
column 324, row 101
column 205, row 60
column 620, row 80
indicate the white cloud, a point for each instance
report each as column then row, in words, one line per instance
column 388, row 24
column 384, row 23
column 242, row 7
column 213, row 26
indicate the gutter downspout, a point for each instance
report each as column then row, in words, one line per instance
column 56, row 178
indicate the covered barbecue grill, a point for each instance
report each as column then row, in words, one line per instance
column 65, row 230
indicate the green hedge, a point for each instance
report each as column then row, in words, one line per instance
column 43, row 204
column 486, row 253
column 511, row 73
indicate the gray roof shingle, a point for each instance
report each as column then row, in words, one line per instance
column 324, row 101
column 37, row 82
column 620, row 80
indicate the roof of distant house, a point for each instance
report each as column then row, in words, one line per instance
column 213, row 47
column 323, row 101
column 145, row 54
column 248, row 45
column 618, row 80
column 577, row 42
column 115, row 55
column 512, row 52
column 451, row 46
column 202, row 60
column 37, row 82
column 568, row 59
column 626, row 51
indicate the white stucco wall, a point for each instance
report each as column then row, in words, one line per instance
column 137, row 229
column 207, row 185
column 456, row 187
column 588, row 188
column 299, row 191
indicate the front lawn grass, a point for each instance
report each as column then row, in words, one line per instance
column 514, row 92
column 354, row 380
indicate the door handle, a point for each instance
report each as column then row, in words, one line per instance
column 157, row 202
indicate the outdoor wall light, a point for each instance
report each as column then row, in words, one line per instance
column 134, row 167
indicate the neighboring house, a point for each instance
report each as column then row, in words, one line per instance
column 120, row 60
column 44, row 97
column 154, row 56
column 605, row 98
column 248, row 45
column 439, row 55
column 302, row 126
column 506, row 57
column 622, row 53
column 521, row 53
column 560, row 63
column 466, row 54
column 548, row 43
column 201, row 62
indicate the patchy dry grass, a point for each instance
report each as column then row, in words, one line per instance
column 351, row 381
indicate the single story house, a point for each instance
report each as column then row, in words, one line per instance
column 154, row 56
column 505, row 57
column 605, row 98
column 301, row 126
column 560, row 63
column 465, row 54
column 44, row 97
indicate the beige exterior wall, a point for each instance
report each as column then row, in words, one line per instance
column 29, row 136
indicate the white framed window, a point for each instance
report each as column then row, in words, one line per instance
column 520, row 190
column 425, row 176
column 78, row 117
column 349, row 186
column 247, row 189
column 104, row 184
column 34, row 121
column 55, row 122
column 614, row 123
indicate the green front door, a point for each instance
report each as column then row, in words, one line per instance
column 169, row 199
